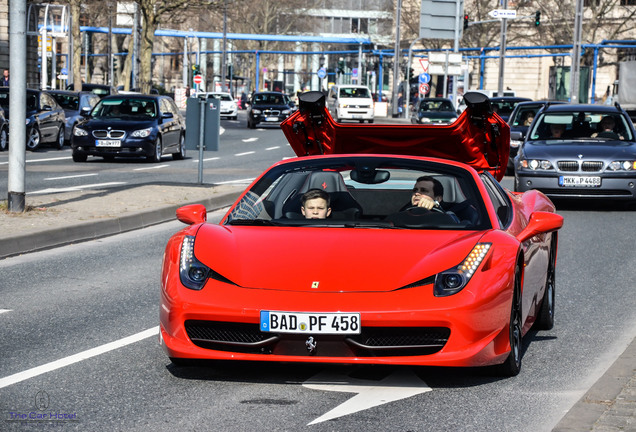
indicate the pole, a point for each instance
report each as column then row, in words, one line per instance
column 502, row 52
column 396, row 59
column 201, row 133
column 408, row 74
column 223, row 59
column 17, row 105
column 576, row 53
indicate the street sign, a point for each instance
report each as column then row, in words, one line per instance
column 424, row 88
column 503, row 13
column 439, row 17
column 322, row 73
column 198, row 79
column 424, row 63
column 425, row 78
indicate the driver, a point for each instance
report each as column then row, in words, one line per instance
column 427, row 193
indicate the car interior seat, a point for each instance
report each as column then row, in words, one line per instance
column 343, row 205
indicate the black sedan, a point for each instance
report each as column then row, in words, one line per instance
column 268, row 108
column 504, row 105
column 101, row 90
column 434, row 111
column 130, row 125
column 74, row 103
column 4, row 131
column 45, row 118
column 579, row 151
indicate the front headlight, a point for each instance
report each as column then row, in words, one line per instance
column 622, row 166
column 286, row 112
column 455, row 279
column 79, row 132
column 192, row 272
column 425, row 120
column 141, row 133
column 535, row 164
column 28, row 121
column 256, row 111
column 515, row 143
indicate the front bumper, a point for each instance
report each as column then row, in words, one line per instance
column 622, row 187
column 355, row 113
column 129, row 147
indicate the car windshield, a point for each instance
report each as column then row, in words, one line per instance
column 354, row 92
column 269, row 98
column 524, row 116
column 427, row 106
column 363, row 193
column 125, row 108
column 223, row 97
column 503, row 107
column 581, row 125
column 4, row 99
column 66, row 101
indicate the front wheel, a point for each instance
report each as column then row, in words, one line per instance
column 156, row 154
column 34, row 138
column 4, row 139
column 512, row 365
column 181, row 154
column 60, row 139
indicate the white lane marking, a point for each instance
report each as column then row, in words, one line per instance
column 84, row 355
column 4, row 310
column 401, row 384
column 151, row 168
column 74, row 188
column 246, row 140
column 249, row 180
column 272, row 148
column 41, row 160
column 221, row 130
column 245, row 153
column 207, row 159
column 70, row 177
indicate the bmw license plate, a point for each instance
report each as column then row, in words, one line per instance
column 302, row 322
column 579, row 181
column 107, row 143
column 271, row 119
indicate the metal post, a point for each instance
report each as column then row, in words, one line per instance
column 502, row 52
column 408, row 74
column 185, row 62
column 575, row 70
column 111, row 64
column 396, row 59
column 223, row 59
column 458, row 13
column 201, row 133
column 17, row 104
column 360, row 63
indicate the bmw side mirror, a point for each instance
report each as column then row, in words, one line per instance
column 517, row 136
column 167, row 115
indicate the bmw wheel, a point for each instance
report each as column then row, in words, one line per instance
column 181, row 154
column 4, row 139
column 156, row 154
column 512, row 365
column 33, row 139
column 60, row 138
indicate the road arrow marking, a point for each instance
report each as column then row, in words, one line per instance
column 401, row 384
column 246, row 140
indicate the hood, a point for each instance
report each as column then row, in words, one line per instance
column 97, row 123
column 293, row 258
column 599, row 150
column 479, row 137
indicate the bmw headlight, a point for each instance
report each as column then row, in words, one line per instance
column 141, row 133
column 536, row 164
column 79, row 132
column 622, row 166
column 455, row 279
column 28, row 121
column 256, row 111
column 286, row 112
column 192, row 272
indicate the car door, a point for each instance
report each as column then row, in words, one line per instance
column 168, row 125
column 48, row 118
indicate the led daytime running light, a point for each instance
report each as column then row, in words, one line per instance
column 472, row 261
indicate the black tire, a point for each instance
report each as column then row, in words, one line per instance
column 78, row 157
column 4, row 139
column 250, row 125
column 155, row 157
column 545, row 319
column 109, row 158
column 512, row 365
column 59, row 143
column 33, row 139
column 181, row 154
column 235, row 117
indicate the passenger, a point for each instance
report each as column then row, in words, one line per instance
column 607, row 129
column 315, row 204
column 557, row 130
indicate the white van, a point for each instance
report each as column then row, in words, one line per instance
column 350, row 102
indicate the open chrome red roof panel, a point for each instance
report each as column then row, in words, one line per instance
column 479, row 137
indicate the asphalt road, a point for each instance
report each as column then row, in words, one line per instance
column 79, row 326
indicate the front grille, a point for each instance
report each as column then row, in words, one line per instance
column 372, row 342
column 592, row 166
column 106, row 134
column 568, row 165
column 271, row 112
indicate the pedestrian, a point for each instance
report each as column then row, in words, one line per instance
column 4, row 82
column 400, row 104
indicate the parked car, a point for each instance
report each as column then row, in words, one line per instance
column 519, row 121
column 4, row 131
column 148, row 126
column 45, row 119
column 568, row 154
column 504, row 105
column 482, row 274
column 351, row 102
column 229, row 107
column 74, row 103
column 101, row 90
column 434, row 110
column 268, row 108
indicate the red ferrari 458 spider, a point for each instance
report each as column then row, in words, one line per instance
column 382, row 279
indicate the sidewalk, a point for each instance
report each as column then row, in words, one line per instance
column 57, row 219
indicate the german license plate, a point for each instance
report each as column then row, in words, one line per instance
column 579, row 181
column 108, row 143
column 314, row 323
column 356, row 116
column 271, row 119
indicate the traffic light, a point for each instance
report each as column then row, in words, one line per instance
column 195, row 69
column 115, row 63
column 465, row 21
column 537, row 18
column 341, row 65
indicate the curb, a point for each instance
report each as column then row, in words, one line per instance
column 26, row 243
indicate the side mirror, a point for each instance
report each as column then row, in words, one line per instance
column 192, row 214
column 47, row 108
column 167, row 115
column 85, row 111
column 540, row 223
column 516, row 136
